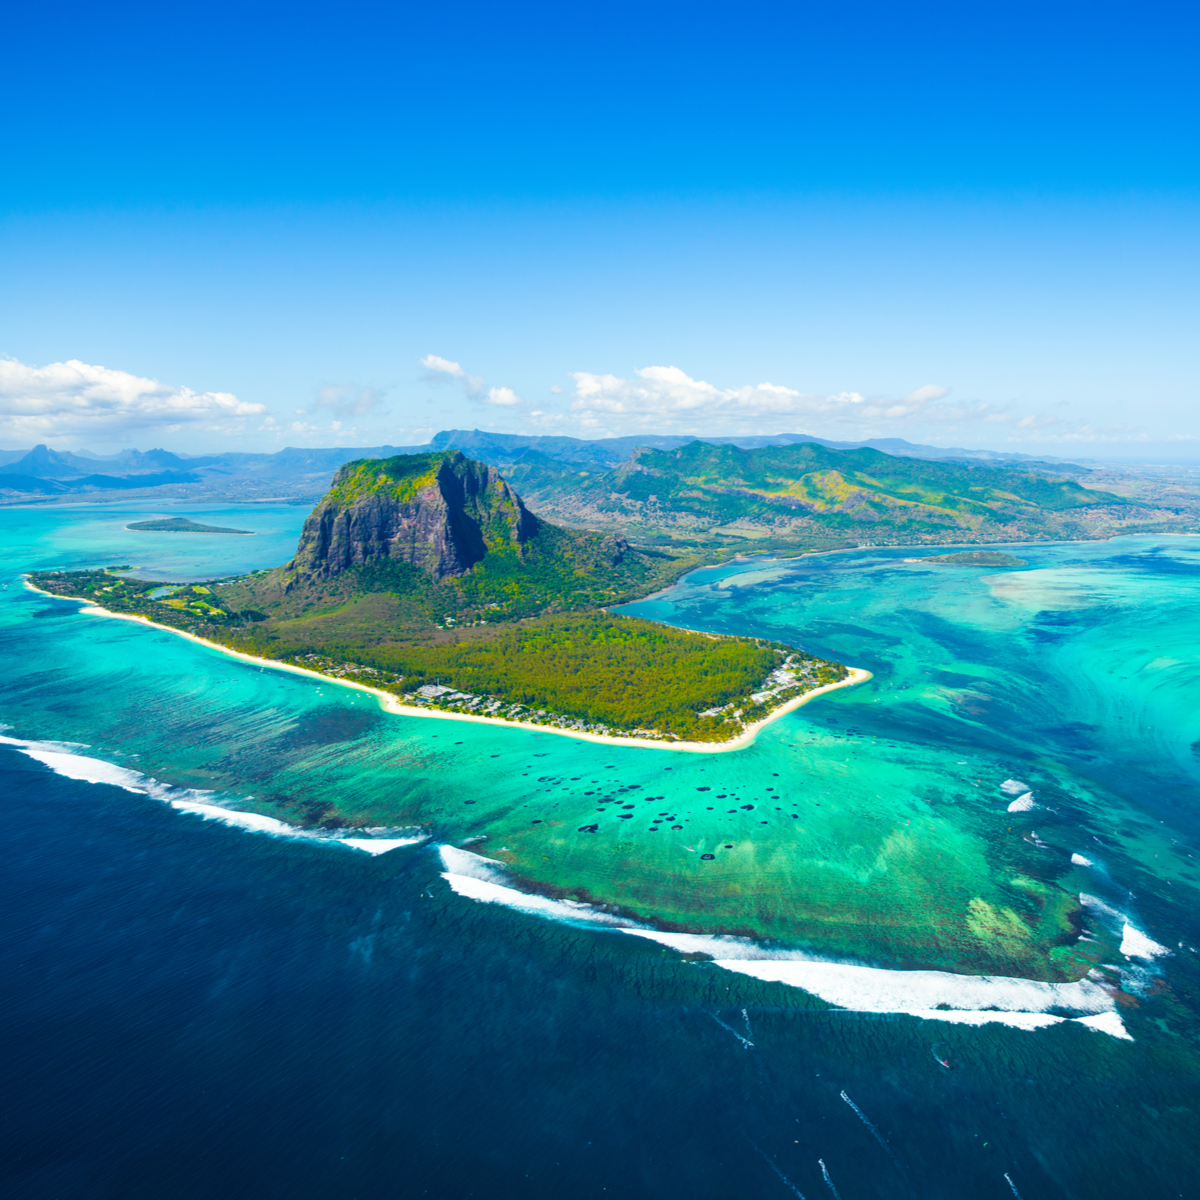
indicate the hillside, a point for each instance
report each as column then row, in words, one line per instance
column 426, row 575
column 807, row 490
column 448, row 542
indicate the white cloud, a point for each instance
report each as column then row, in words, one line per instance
column 930, row 391
column 503, row 396
column 442, row 370
column 78, row 400
column 666, row 397
column 667, row 400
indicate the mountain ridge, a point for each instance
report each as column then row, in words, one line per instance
column 801, row 490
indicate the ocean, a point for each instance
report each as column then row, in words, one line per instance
column 198, row 1000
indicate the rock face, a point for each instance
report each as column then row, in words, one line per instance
column 440, row 512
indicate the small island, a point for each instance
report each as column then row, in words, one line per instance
column 974, row 558
column 181, row 525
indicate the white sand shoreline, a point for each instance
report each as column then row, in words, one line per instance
column 391, row 704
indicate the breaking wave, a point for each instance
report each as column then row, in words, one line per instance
column 63, row 758
column 969, row 999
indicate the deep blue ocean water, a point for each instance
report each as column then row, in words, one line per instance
column 190, row 1009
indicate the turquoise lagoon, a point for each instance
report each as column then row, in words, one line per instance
column 882, row 868
column 873, row 825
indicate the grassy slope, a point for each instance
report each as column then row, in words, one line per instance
column 808, row 489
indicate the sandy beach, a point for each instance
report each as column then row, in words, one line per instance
column 391, row 704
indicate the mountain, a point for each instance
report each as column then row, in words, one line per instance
column 426, row 575
column 438, row 513
column 403, row 545
column 802, row 489
column 127, row 482
column 43, row 463
column 26, row 484
column 23, row 484
column 504, row 449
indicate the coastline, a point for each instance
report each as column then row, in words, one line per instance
column 390, row 703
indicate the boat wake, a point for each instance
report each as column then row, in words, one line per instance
column 858, row 1112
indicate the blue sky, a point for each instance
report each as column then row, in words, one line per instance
column 267, row 225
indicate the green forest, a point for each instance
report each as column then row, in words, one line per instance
column 609, row 670
column 524, row 632
column 810, row 489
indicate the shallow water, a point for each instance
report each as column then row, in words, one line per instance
column 199, row 1006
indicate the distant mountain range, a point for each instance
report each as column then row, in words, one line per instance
column 808, row 490
column 503, row 449
column 302, row 475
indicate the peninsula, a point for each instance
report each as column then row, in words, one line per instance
column 425, row 577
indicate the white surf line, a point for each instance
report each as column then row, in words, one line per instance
column 1013, row 1186
column 1134, row 943
column 973, row 999
column 61, row 758
column 391, row 704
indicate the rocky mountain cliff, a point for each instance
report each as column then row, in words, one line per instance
column 448, row 540
column 438, row 512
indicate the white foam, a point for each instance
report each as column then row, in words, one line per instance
column 380, row 845
column 243, row 820
column 1018, row 1020
column 1135, row 944
column 874, row 989
column 975, row 999
column 476, row 866
column 1080, row 861
column 1014, row 787
column 1098, row 908
column 720, row 947
column 1109, row 1022
column 59, row 757
column 571, row 911
column 1023, row 803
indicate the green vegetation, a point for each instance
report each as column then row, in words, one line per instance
column 399, row 478
column 181, row 525
column 179, row 606
column 426, row 576
column 976, row 558
column 721, row 493
column 613, row 671
column 559, row 570
column 594, row 672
